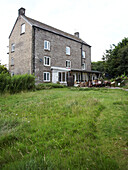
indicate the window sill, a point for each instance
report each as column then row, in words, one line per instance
column 47, row 65
column 46, row 80
column 47, row 50
column 22, row 33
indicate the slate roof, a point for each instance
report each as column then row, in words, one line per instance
column 50, row 29
column 54, row 30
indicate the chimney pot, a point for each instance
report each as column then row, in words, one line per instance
column 21, row 11
column 76, row 34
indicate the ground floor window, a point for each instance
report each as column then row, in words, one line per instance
column 46, row 76
column 78, row 77
column 62, row 76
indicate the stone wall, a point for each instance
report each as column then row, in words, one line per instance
column 57, row 53
column 23, row 48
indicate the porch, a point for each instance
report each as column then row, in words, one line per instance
column 74, row 77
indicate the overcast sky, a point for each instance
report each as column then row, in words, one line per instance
column 99, row 22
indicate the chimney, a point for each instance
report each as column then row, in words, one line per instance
column 76, row 34
column 21, row 11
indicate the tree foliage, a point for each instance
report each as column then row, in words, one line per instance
column 115, row 60
column 3, row 69
column 98, row 66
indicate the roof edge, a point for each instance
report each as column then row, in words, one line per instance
column 61, row 35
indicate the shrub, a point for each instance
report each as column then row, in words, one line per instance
column 5, row 80
column 22, row 83
column 42, row 86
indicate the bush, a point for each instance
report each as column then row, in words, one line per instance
column 5, row 80
column 22, row 83
column 42, row 86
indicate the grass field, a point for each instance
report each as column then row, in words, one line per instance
column 64, row 129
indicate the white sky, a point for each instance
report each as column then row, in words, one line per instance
column 100, row 22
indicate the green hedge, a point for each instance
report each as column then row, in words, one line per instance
column 42, row 86
column 5, row 80
column 17, row 83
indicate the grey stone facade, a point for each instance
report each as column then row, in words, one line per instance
column 28, row 55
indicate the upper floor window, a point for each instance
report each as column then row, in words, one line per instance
column 83, row 66
column 12, row 47
column 12, row 61
column 46, row 76
column 68, row 63
column 67, row 50
column 83, row 54
column 47, row 45
column 46, row 61
column 22, row 28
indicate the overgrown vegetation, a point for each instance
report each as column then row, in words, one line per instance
column 20, row 83
column 64, row 129
column 15, row 84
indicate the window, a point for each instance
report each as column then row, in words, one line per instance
column 67, row 50
column 12, row 73
column 83, row 54
column 46, row 61
column 12, row 61
column 61, row 76
column 83, row 66
column 68, row 63
column 22, row 28
column 12, row 47
column 78, row 77
column 47, row 45
column 46, row 76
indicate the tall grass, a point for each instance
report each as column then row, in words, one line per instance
column 5, row 81
column 64, row 129
column 17, row 83
column 21, row 83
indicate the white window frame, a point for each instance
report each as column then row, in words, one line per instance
column 47, row 47
column 13, row 47
column 45, row 61
column 83, row 54
column 69, row 64
column 46, row 76
column 12, row 74
column 12, row 61
column 23, row 28
column 61, row 77
column 78, row 75
column 83, row 66
column 67, row 50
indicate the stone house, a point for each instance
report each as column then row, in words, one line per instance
column 50, row 54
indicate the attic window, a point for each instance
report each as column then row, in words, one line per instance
column 22, row 28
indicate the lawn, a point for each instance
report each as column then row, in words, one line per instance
column 65, row 128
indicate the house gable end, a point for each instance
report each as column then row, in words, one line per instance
column 16, row 23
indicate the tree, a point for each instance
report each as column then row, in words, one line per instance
column 3, row 69
column 98, row 66
column 116, row 59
